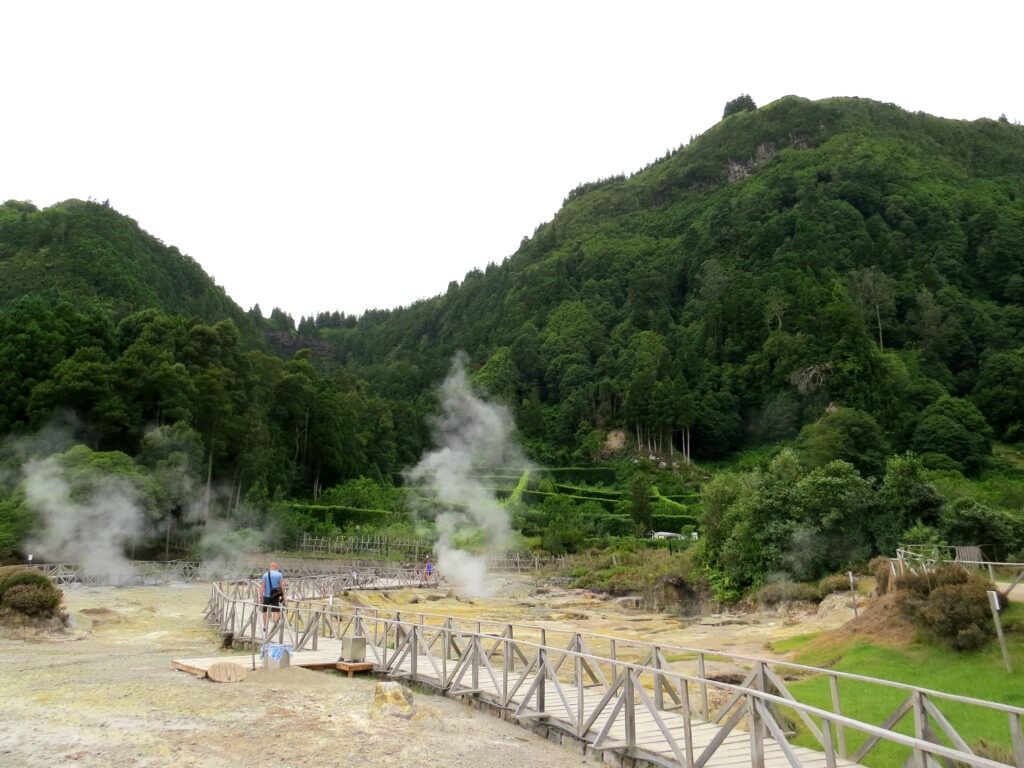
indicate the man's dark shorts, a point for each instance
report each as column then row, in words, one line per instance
column 271, row 601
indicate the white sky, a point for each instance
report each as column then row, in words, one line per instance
column 321, row 156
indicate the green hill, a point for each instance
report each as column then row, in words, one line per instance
column 87, row 253
column 806, row 254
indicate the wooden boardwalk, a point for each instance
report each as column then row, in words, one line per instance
column 537, row 699
column 324, row 658
column 623, row 699
column 651, row 737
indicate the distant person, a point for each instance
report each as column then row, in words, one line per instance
column 428, row 569
column 271, row 593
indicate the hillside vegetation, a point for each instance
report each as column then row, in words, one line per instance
column 804, row 327
column 808, row 253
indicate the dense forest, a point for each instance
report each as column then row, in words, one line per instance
column 834, row 287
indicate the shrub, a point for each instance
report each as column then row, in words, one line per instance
column 837, row 582
column 951, row 604
column 28, row 591
column 787, row 592
column 7, row 570
column 940, row 462
column 724, row 587
column 958, row 614
column 33, row 599
column 880, row 569
column 920, row 585
column 18, row 574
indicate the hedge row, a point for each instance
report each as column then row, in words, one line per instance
column 587, row 493
column 586, row 475
column 537, row 498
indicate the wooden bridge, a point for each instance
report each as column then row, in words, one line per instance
column 636, row 703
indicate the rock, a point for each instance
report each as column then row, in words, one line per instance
column 839, row 604
column 392, row 699
column 629, row 602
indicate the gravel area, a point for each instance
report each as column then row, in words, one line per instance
column 105, row 694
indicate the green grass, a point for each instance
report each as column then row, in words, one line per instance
column 980, row 675
column 788, row 644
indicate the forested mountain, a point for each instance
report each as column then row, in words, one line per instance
column 841, row 276
column 114, row 337
column 88, row 254
column 791, row 260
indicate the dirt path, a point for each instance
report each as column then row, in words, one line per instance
column 105, row 693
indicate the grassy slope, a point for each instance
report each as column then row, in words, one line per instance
column 981, row 675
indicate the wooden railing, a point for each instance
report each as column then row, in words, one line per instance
column 927, row 558
column 362, row 545
column 133, row 573
column 597, row 687
column 416, row 549
column 145, row 572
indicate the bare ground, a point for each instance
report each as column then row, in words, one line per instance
column 104, row 693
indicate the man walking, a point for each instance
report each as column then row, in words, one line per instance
column 271, row 593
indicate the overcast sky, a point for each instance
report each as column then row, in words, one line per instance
column 321, row 156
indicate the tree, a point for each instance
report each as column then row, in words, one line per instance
column 37, row 335
column 292, row 409
column 16, row 521
column 955, row 427
column 571, row 342
column 676, row 412
column 173, row 456
column 92, row 506
column 750, row 520
column 718, row 498
column 281, row 320
column 905, row 498
column 845, row 434
column 363, row 493
column 336, row 449
column 649, row 404
column 741, row 103
column 874, row 294
column 717, row 423
column 498, row 377
column 566, row 529
column 999, row 394
column 87, row 383
column 833, row 504
column 160, row 389
column 968, row 522
column 640, row 502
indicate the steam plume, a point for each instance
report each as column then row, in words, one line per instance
column 471, row 435
column 86, row 523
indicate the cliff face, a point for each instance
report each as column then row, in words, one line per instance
column 285, row 344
